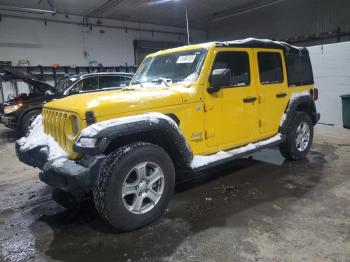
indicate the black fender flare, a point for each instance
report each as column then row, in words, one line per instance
column 303, row 103
column 161, row 130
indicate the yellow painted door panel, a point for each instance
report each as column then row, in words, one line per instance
column 272, row 88
column 231, row 119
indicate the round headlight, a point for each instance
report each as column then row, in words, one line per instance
column 71, row 128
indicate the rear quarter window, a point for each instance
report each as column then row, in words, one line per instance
column 299, row 69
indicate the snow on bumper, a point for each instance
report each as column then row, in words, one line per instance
column 41, row 151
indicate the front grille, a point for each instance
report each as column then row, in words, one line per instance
column 56, row 124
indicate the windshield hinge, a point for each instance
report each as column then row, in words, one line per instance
column 208, row 107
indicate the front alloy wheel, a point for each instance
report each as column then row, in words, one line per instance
column 143, row 187
column 134, row 186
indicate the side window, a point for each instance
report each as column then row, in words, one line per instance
column 110, row 82
column 299, row 70
column 127, row 80
column 270, row 67
column 238, row 63
column 88, row 84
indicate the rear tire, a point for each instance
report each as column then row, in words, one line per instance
column 299, row 136
column 27, row 120
column 125, row 195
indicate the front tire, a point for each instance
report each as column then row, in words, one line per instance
column 134, row 187
column 27, row 120
column 299, row 136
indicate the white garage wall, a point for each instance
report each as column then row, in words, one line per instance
column 64, row 44
column 331, row 67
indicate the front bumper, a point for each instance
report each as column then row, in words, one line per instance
column 8, row 121
column 68, row 175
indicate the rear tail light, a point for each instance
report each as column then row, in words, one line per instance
column 314, row 93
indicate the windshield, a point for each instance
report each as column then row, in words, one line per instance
column 64, row 83
column 171, row 68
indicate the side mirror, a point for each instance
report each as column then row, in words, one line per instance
column 219, row 78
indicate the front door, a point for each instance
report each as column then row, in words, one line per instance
column 272, row 90
column 231, row 113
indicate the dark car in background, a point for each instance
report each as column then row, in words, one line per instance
column 19, row 112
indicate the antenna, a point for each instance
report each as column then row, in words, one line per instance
column 157, row 2
column 187, row 28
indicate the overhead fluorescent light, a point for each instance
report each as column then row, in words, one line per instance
column 243, row 10
column 158, row 2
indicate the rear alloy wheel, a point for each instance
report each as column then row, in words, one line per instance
column 134, row 186
column 299, row 136
column 302, row 138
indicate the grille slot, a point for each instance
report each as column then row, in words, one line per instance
column 55, row 122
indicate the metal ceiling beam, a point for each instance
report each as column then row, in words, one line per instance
column 26, row 10
column 124, row 28
column 31, row 10
column 97, row 12
column 243, row 10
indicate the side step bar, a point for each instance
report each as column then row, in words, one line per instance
column 201, row 163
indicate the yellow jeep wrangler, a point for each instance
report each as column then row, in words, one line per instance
column 188, row 108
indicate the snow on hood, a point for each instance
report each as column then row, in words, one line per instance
column 119, row 101
column 37, row 138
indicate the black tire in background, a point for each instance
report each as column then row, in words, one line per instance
column 27, row 120
column 108, row 195
column 289, row 148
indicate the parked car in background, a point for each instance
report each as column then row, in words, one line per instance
column 20, row 111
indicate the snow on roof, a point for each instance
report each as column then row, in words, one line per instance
column 247, row 42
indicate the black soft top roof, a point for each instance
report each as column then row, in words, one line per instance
column 298, row 64
column 263, row 43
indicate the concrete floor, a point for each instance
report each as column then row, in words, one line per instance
column 266, row 210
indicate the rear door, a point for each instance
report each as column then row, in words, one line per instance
column 272, row 89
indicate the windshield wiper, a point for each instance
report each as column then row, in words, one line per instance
column 163, row 80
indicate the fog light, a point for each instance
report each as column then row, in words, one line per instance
column 87, row 142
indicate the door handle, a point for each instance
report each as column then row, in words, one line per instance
column 281, row 95
column 249, row 99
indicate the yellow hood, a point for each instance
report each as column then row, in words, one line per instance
column 114, row 102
